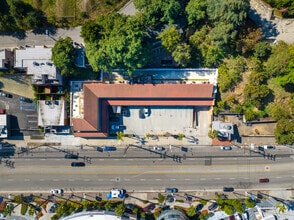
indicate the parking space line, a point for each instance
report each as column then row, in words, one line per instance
column 10, row 179
column 26, row 180
column 143, row 179
column 202, row 179
column 42, row 180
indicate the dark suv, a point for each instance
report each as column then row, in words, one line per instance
column 78, row 164
column 228, row 189
column 71, row 156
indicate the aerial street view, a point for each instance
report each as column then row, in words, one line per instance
column 147, row 109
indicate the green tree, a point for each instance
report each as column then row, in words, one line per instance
column 182, row 54
column 228, row 209
column 160, row 198
column 249, row 203
column 212, row 133
column 278, row 111
column 255, row 94
column 238, row 205
column 281, row 207
column 120, row 209
column 121, row 46
column 63, row 54
column 284, row 131
column 196, row 11
column 262, row 50
column 170, row 37
column 228, row 11
column 191, row 211
column 108, row 206
column 91, row 31
column 277, row 63
column 230, row 73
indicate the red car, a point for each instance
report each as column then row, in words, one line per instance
column 264, row 180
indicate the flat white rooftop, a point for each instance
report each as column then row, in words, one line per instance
column 51, row 113
column 37, row 60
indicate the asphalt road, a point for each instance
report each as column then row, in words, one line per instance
column 44, row 168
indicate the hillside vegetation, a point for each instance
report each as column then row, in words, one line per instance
column 284, row 8
column 255, row 78
column 33, row 14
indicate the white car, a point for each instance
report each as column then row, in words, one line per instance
column 157, row 148
column 56, row 191
column 269, row 147
column 226, row 147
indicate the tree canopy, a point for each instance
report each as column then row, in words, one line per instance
column 63, row 54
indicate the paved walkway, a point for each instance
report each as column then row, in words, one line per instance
column 273, row 27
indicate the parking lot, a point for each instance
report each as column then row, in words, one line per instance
column 21, row 115
column 162, row 120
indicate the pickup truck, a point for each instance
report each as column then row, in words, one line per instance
column 116, row 193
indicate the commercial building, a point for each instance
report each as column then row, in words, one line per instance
column 158, row 101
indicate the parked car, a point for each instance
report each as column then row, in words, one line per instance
column 78, row 164
column 260, row 148
column 228, row 189
column 71, row 156
column 98, row 198
column 171, row 190
column 53, row 208
column 264, row 180
column 116, row 193
column 130, row 206
column 23, row 99
column 149, row 207
column 269, row 147
column 115, row 127
column 109, row 148
column 226, row 147
column 4, row 94
column 213, row 206
column 146, row 111
column 199, row 207
column 56, row 191
column 157, row 148
column 100, row 149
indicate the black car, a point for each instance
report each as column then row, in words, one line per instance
column 27, row 100
column 228, row 189
column 78, row 164
column 71, row 156
column 100, row 149
column 213, row 206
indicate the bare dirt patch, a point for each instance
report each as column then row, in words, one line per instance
column 18, row 84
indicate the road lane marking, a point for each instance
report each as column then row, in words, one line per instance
column 42, row 159
column 143, row 179
column 42, row 180
column 86, row 180
column 127, row 180
column 71, row 180
column 232, row 178
column 55, row 180
column 245, row 178
column 173, row 179
column 217, row 178
column 187, row 179
column 202, row 179
column 278, row 177
column 26, row 180
column 10, row 179
column 158, row 179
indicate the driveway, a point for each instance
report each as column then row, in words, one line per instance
column 39, row 37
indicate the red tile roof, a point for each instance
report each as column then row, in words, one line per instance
column 98, row 96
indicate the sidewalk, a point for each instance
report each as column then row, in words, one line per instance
column 71, row 141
